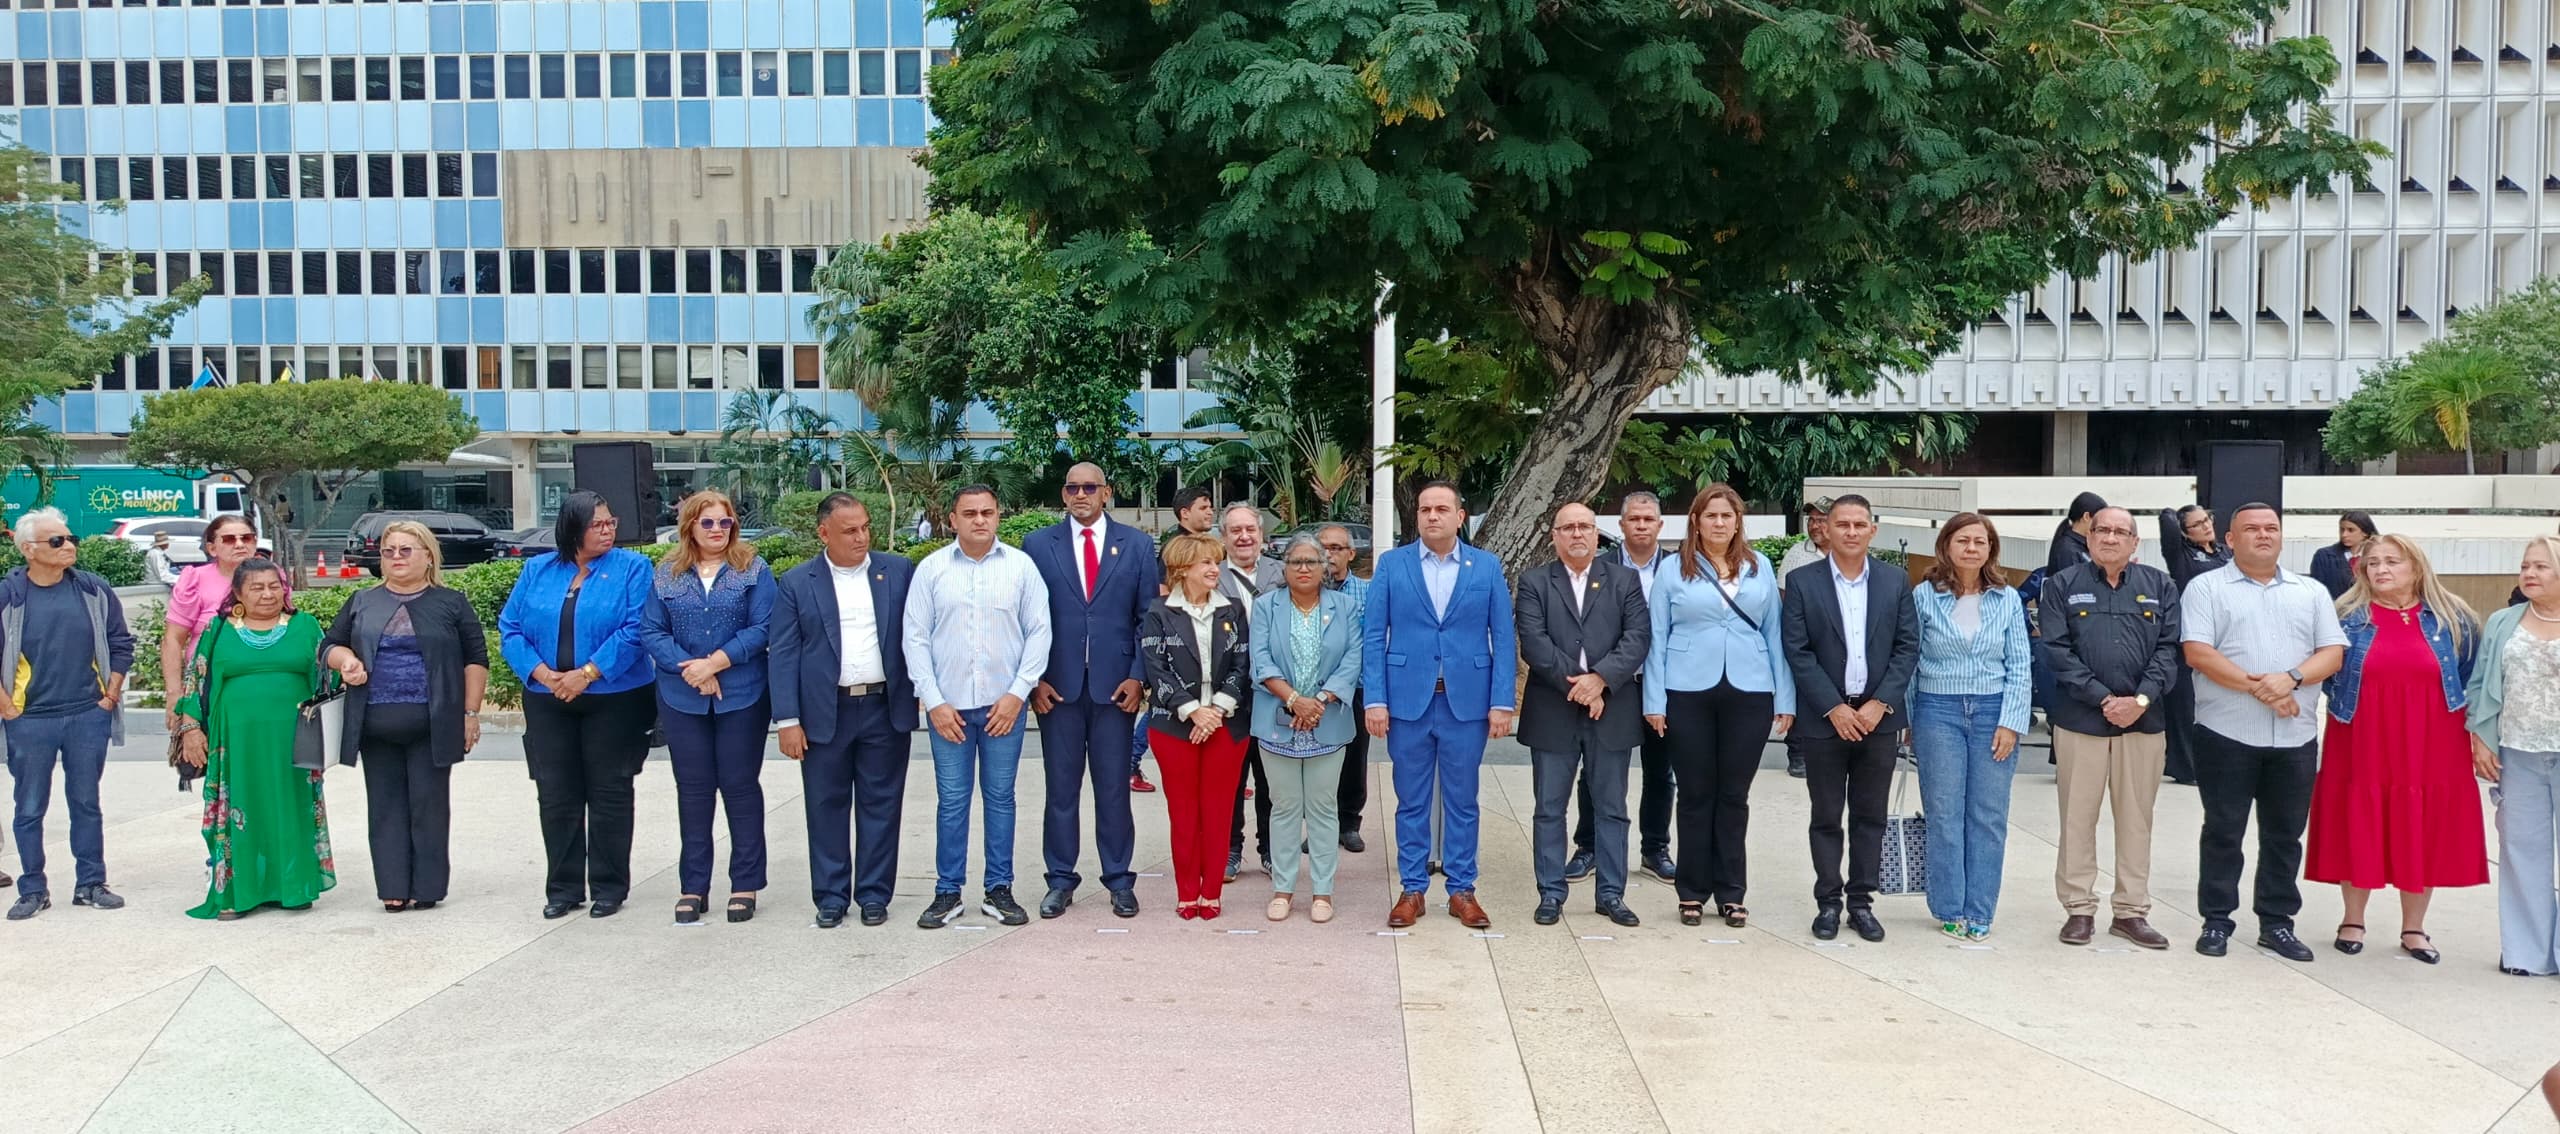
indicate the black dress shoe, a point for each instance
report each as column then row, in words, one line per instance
column 2214, row 943
column 1864, row 921
column 830, row 917
column 1124, row 903
column 1055, row 905
column 1826, row 923
column 556, row 910
column 1550, row 911
column 2280, row 941
column 1352, row 842
column 604, row 909
column 875, row 915
column 1617, row 911
column 1578, row 868
column 1659, row 864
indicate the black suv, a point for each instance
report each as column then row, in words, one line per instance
column 464, row 540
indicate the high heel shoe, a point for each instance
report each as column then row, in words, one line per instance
column 2350, row 948
column 2426, row 954
column 1209, row 911
column 1186, row 911
column 1693, row 913
column 742, row 907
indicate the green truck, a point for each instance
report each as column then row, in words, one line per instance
column 94, row 497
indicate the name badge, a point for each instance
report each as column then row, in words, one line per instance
column 2081, row 599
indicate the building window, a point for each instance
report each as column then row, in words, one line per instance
column 342, row 80
column 208, row 80
column 657, row 72
column 556, row 364
column 245, row 274
column 484, row 175
column 804, row 269
column 768, row 270
column 731, row 68
column 623, row 70
column 350, row 273
column 626, row 271
column 875, row 74
column 173, row 179
column 242, row 79
column 662, row 368
column 800, row 73
column 588, row 73
column 555, row 76
column 769, row 368
column 591, row 279
column 484, row 76
column 413, row 78
column 697, row 271
column 765, row 80
column 662, row 271
column 448, row 175
column 386, row 274
column 519, row 76
column 146, row 272
column 413, row 175
column 377, row 80
column 804, row 367
column 692, row 75
column 448, row 76
column 315, row 273
column 591, row 368
column 520, row 279
column 733, row 272
column 555, row 272
column 484, row 273
column 910, row 72
column 343, row 181
column 244, row 179
column 449, row 269
column 377, row 175
column 836, row 69
column 626, row 369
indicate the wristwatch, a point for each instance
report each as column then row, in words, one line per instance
column 2142, row 700
column 2296, row 675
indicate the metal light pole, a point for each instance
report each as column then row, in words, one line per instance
column 1382, row 429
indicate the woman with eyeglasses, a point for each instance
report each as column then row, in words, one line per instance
column 266, row 825
column 704, row 626
column 416, row 664
column 199, row 594
column 571, row 630
column 1306, row 666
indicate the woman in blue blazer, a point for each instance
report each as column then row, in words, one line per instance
column 1306, row 665
column 1715, row 681
column 571, row 631
column 705, row 628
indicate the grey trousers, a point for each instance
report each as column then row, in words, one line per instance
column 1553, row 772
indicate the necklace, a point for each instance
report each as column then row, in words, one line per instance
column 2537, row 614
column 259, row 639
column 2407, row 614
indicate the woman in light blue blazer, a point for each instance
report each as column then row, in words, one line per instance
column 1306, row 664
column 1715, row 681
column 1968, row 710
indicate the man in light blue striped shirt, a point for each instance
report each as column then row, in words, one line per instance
column 977, row 641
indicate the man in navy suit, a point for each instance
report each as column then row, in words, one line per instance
column 841, row 696
column 1101, row 576
column 1438, row 661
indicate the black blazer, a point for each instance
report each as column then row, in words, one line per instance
column 449, row 639
column 1818, row 649
column 1171, row 649
column 802, row 656
column 1614, row 628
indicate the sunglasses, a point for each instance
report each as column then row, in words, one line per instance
column 1083, row 489
column 715, row 523
column 235, row 540
column 56, row 542
column 398, row 552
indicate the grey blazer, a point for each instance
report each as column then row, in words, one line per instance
column 1337, row 665
column 1613, row 629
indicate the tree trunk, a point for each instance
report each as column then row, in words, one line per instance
column 270, row 494
column 1607, row 358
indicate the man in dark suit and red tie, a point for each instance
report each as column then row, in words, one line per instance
column 845, row 707
column 1101, row 577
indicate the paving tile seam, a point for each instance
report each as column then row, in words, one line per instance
column 30, row 1045
column 145, row 1049
column 2532, row 1097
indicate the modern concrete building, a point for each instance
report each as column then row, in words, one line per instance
column 2266, row 323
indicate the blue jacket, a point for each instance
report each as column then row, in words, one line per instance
column 681, row 623
column 1337, row 665
column 1952, row 664
column 1698, row 640
column 1406, row 648
column 805, row 656
column 1093, row 645
column 2453, row 669
column 609, row 611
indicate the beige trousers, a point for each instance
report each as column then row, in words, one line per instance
column 2089, row 770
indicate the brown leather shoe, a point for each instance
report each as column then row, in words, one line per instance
column 2078, row 928
column 1408, row 909
column 1462, row 906
column 2138, row 931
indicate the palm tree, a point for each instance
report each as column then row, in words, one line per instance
column 2442, row 394
column 768, row 443
column 26, row 444
column 1275, row 440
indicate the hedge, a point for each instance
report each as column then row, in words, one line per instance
column 112, row 559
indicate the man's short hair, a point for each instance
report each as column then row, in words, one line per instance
column 1851, row 498
column 968, row 490
column 1240, row 506
column 838, row 501
column 2257, row 506
column 1183, row 500
column 1428, row 485
column 1639, row 496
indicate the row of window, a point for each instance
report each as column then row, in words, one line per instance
column 661, row 74
column 735, row 367
column 521, row 271
column 275, row 177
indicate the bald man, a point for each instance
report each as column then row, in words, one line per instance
column 1101, row 576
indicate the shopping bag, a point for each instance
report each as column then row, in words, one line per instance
column 1906, row 842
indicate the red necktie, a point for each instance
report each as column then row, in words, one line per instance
column 1092, row 565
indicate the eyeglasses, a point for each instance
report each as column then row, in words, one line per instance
column 399, row 552
column 1074, row 489
column 57, row 541
column 2124, row 532
column 1336, row 547
column 603, row 525
column 715, row 523
column 1305, row 564
column 235, row 540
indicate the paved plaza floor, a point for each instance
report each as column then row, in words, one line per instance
column 481, row 1016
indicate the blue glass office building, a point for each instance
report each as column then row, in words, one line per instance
column 589, row 219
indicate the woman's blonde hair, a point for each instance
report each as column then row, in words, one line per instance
column 682, row 558
column 2449, row 607
column 1186, row 551
column 426, row 541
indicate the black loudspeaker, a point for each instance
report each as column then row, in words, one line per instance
column 2232, row 473
column 624, row 473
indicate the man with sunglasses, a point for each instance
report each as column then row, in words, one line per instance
column 1101, row 577
column 64, row 653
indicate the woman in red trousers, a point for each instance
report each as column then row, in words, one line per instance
column 2394, row 804
column 1199, row 671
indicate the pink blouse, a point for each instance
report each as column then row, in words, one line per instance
column 197, row 597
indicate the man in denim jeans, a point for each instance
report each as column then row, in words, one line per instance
column 977, row 641
column 64, row 653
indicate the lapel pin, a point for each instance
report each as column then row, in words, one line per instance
column 1115, row 551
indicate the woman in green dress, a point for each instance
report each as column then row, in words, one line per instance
column 266, row 829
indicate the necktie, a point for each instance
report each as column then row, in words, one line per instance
column 1092, row 565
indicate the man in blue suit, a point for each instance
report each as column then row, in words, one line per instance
column 1101, row 576
column 841, row 696
column 1438, row 661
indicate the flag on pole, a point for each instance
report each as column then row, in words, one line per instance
column 370, row 374
column 285, row 375
column 207, row 376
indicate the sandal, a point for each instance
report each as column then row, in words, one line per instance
column 742, row 907
column 1734, row 915
column 1693, row 913
column 689, row 909
column 2426, row 953
column 2350, row 948
column 227, row 915
column 422, row 903
column 394, row 906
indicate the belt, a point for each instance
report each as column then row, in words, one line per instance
column 1856, row 700
column 1440, row 686
column 872, row 689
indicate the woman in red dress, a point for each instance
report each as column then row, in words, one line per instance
column 2394, row 804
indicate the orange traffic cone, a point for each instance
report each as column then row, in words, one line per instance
column 346, row 567
column 320, row 565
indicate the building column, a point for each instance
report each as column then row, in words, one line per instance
column 2067, row 440
column 528, row 491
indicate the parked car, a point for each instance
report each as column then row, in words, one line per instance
column 1274, row 546
column 186, row 536
column 465, row 540
column 525, row 543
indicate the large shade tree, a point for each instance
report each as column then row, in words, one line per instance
column 1824, row 188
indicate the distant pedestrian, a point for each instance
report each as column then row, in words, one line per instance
column 2070, row 543
column 2335, row 565
column 1815, row 544
column 156, row 565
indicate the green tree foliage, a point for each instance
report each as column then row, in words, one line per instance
column 63, row 312
column 1653, row 455
column 109, row 558
column 333, row 431
column 768, row 443
column 1309, row 469
column 967, row 310
column 1831, row 188
column 2491, row 383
